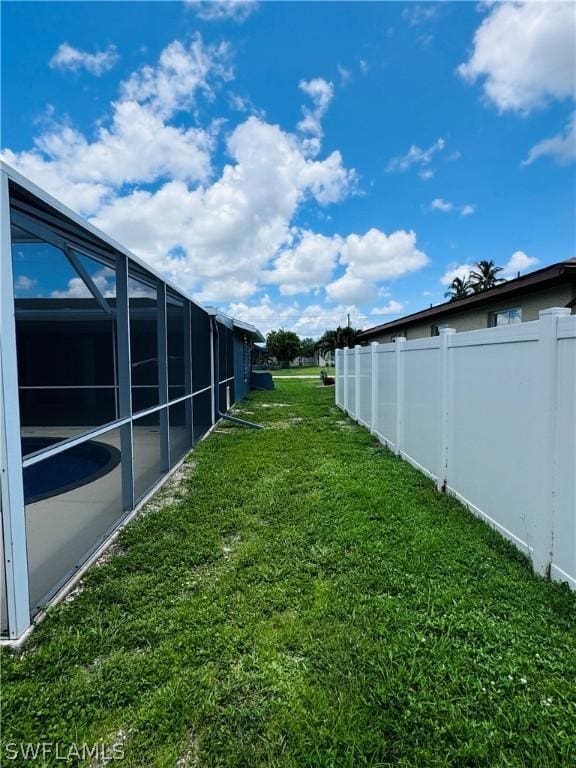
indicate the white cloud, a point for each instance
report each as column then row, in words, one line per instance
column 345, row 75
column 321, row 92
column 24, row 283
column 525, row 54
column 371, row 258
column 415, row 156
column 425, row 40
column 104, row 280
column 267, row 315
column 83, row 196
column 364, row 66
column 562, row 147
column 223, row 235
column 351, row 287
column 456, row 270
column 225, row 289
column 138, row 146
column 438, row 204
column 223, row 10
column 328, row 181
column 181, row 73
column 417, row 13
column 231, row 229
column 391, row 308
column 518, row 262
column 244, row 104
column 445, row 206
column 309, row 320
column 426, row 174
column 309, row 264
column 68, row 57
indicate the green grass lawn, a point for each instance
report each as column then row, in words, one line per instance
column 311, row 371
column 305, row 598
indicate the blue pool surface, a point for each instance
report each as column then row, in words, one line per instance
column 65, row 471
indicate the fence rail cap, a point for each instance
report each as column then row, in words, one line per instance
column 561, row 311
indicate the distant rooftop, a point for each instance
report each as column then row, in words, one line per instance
column 540, row 278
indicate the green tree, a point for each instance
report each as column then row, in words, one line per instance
column 307, row 347
column 485, row 276
column 458, row 289
column 337, row 339
column 283, row 345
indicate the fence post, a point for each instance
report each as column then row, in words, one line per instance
column 345, row 366
column 357, row 382
column 542, row 527
column 374, row 389
column 337, row 389
column 442, row 474
column 400, row 349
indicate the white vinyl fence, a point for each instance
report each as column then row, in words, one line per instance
column 490, row 415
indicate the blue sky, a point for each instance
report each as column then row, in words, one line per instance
column 293, row 162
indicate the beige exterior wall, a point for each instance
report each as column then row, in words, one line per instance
column 473, row 318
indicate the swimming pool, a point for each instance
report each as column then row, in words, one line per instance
column 65, row 471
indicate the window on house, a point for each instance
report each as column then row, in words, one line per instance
column 435, row 331
column 505, row 317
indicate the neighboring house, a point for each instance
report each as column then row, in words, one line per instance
column 266, row 360
column 325, row 359
column 515, row 301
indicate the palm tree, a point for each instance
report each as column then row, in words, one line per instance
column 484, row 276
column 337, row 339
column 327, row 342
column 458, row 289
column 346, row 336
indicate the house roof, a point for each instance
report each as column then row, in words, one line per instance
column 250, row 329
column 542, row 278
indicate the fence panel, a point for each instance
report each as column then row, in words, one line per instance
column 364, row 405
column 489, row 414
column 422, row 405
column 385, row 423
column 564, row 514
column 495, row 441
column 351, row 382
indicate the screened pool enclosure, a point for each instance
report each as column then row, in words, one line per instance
column 109, row 375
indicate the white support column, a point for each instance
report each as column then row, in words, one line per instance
column 346, row 367
column 540, row 534
column 445, row 389
column 124, row 380
column 163, row 375
column 11, row 480
column 188, row 373
column 374, row 388
column 400, row 349
column 357, row 349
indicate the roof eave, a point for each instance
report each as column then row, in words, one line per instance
column 540, row 278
